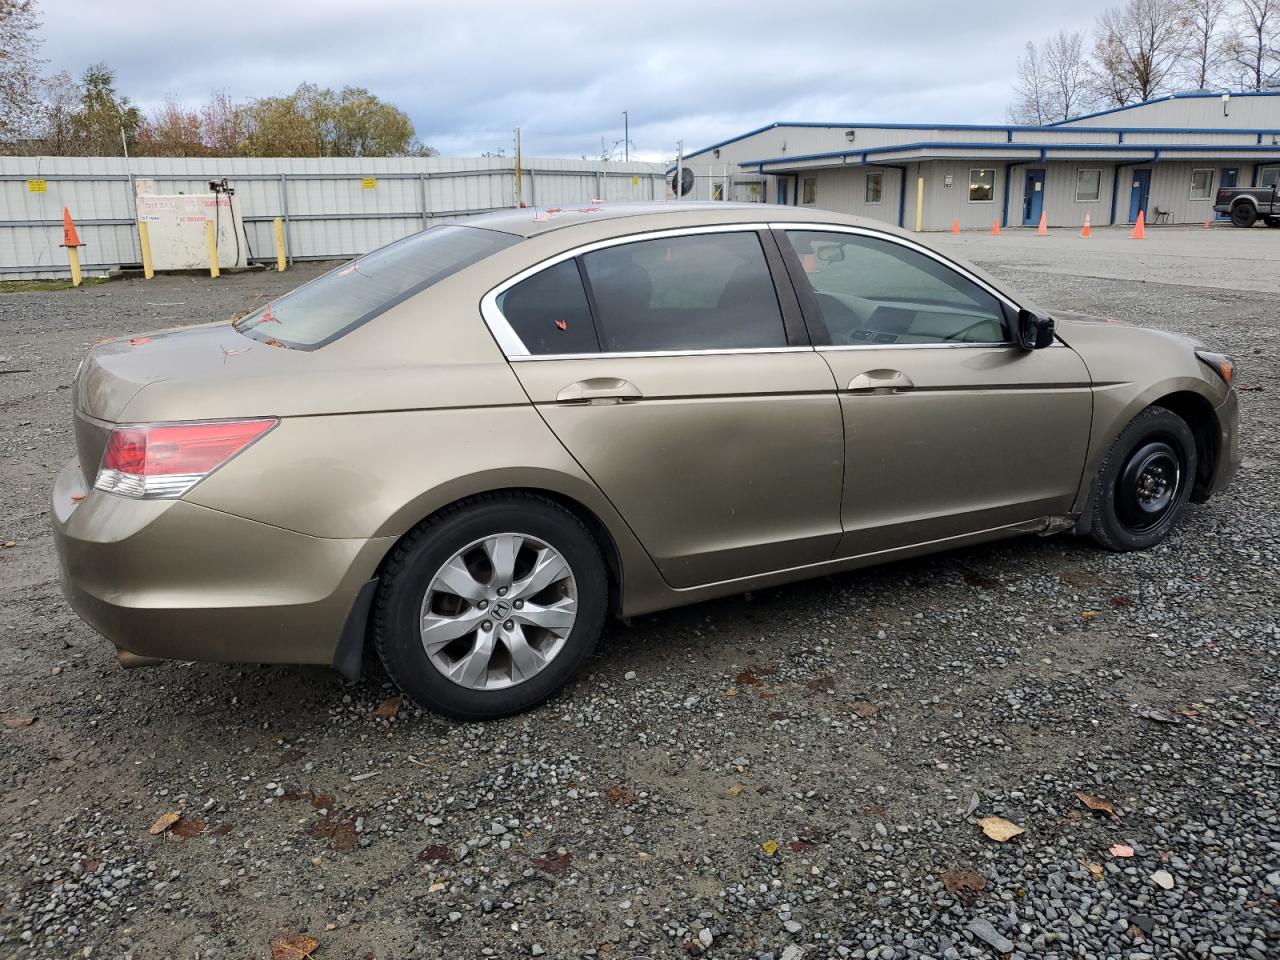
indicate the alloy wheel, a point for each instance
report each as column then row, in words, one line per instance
column 498, row 611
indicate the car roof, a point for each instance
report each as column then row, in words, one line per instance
column 534, row 221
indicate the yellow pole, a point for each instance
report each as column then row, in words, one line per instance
column 919, row 204
column 144, row 238
column 73, row 254
column 280, row 257
column 212, row 240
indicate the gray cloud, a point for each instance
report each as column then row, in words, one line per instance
column 467, row 73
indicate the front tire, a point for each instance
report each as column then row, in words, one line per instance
column 489, row 606
column 1243, row 215
column 1145, row 481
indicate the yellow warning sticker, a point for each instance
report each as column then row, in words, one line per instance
column 37, row 186
column 635, row 181
column 369, row 183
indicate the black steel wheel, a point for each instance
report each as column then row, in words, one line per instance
column 1145, row 481
column 1243, row 215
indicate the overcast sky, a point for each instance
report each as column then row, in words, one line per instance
column 468, row 71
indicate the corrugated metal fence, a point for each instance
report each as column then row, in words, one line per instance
column 333, row 207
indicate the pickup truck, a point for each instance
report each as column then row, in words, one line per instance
column 1247, row 205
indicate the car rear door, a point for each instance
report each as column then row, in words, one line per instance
column 950, row 429
column 675, row 373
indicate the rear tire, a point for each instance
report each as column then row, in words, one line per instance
column 463, row 620
column 1243, row 215
column 1145, row 481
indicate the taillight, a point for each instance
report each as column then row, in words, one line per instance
column 165, row 460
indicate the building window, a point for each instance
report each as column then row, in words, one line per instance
column 982, row 186
column 1202, row 184
column 1088, row 186
column 875, row 187
column 810, row 195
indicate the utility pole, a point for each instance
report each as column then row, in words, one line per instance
column 679, row 169
column 519, row 188
column 626, row 136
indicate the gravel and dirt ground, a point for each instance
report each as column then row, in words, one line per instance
column 795, row 773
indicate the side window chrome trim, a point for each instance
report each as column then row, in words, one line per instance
column 513, row 347
column 633, row 355
column 1002, row 345
column 815, row 227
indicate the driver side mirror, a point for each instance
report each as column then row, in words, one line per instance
column 1035, row 330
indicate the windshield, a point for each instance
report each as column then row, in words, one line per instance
column 335, row 303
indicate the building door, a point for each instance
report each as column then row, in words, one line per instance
column 1033, row 198
column 1140, row 193
column 782, row 191
column 1227, row 179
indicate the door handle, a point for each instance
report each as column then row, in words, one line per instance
column 599, row 390
column 881, row 381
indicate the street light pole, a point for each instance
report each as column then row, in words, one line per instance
column 626, row 136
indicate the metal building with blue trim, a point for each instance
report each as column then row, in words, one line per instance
column 1165, row 157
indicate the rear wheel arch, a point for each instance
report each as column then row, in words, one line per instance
column 599, row 530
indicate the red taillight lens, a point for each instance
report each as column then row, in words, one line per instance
column 168, row 459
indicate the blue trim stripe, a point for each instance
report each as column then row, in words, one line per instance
column 1198, row 95
column 1040, row 149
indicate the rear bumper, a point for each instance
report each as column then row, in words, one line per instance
column 173, row 580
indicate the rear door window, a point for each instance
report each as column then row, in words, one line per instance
column 708, row 291
column 339, row 301
column 549, row 312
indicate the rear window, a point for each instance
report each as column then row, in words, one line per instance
column 335, row 303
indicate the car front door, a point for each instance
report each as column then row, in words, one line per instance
column 950, row 429
column 673, row 372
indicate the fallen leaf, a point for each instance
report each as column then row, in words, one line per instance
column 753, row 676
column 1095, row 869
column 620, row 796
column 163, row 823
column 1100, row 804
column 733, row 791
column 138, row 341
column 980, row 580
column 16, row 723
column 88, row 865
column 822, row 682
column 556, row 863
column 1248, row 388
column 388, row 708
column 1159, row 716
column 863, row 709
column 731, row 692
column 770, row 847
column 435, row 853
column 999, row 829
column 186, row 829
column 297, row 947
column 1120, row 850
column 1119, row 601
column 964, row 885
column 801, row 844
column 1087, row 615
column 436, row 887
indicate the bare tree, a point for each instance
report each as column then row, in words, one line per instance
column 1253, row 47
column 1053, row 81
column 19, row 69
column 54, row 130
column 1067, row 73
column 1205, row 45
column 1138, row 49
column 1030, row 90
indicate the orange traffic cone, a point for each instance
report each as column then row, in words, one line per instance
column 1206, row 224
column 1139, row 228
column 1088, row 229
column 69, row 236
column 955, row 226
column 1043, row 229
column 995, row 228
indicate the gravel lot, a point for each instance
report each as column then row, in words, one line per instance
column 795, row 773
